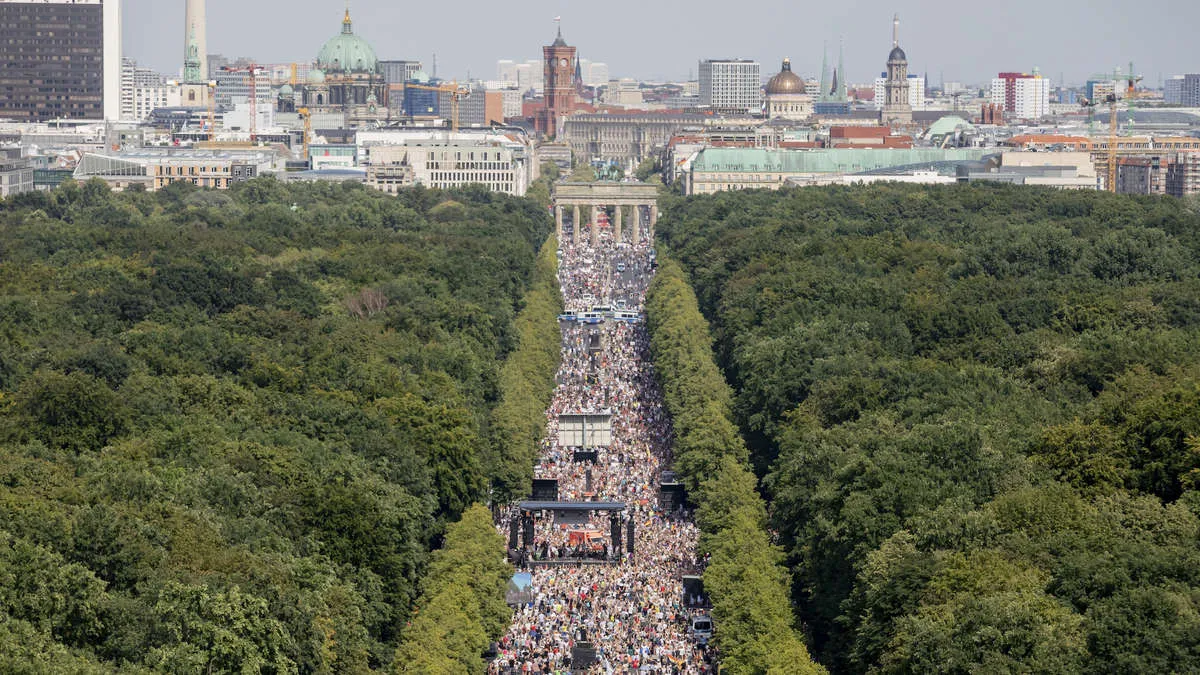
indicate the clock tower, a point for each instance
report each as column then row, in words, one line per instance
column 558, row 85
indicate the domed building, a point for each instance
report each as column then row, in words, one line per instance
column 347, row 78
column 787, row 97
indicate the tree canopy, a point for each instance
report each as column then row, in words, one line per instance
column 975, row 412
column 235, row 424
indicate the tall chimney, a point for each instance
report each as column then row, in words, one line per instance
column 195, row 42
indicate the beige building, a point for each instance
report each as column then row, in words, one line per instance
column 155, row 168
column 208, row 173
column 787, row 96
column 390, row 178
column 627, row 138
column 502, row 162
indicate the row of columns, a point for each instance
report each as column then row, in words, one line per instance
column 618, row 216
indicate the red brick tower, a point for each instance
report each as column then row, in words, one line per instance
column 559, row 85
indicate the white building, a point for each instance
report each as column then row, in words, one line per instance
column 916, row 92
column 524, row 76
column 112, row 59
column 145, row 100
column 501, row 161
column 238, row 118
column 1025, row 97
column 512, row 101
column 1173, row 90
column 506, row 71
column 594, row 73
column 625, row 92
column 731, row 85
column 132, row 79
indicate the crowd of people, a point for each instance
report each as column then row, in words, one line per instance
column 633, row 610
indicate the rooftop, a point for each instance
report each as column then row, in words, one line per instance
column 838, row 160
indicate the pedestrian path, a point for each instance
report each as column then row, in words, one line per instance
column 633, row 609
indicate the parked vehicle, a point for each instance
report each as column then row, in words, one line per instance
column 701, row 628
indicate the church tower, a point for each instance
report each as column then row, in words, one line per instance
column 897, row 109
column 559, row 85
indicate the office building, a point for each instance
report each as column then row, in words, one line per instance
column 399, row 72
column 1021, row 95
column 1183, row 174
column 61, row 59
column 502, row 161
column 1144, row 175
column 1183, row 90
column 732, row 85
column 594, row 73
column 625, row 138
column 16, row 174
column 137, row 86
column 506, row 71
column 233, row 86
column 477, row 108
column 155, row 168
column 526, row 76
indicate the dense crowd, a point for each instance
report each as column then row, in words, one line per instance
column 634, row 611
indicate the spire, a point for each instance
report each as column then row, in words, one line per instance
column 559, row 41
column 825, row 73
column 840, row 90
column 787, row 64
column 896, row 31
column 347, row 27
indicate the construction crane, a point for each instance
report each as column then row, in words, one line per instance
column 1132, row 80
column 1112, row 143
column 456, row 93
column 252, row 70
column 1091, row 108
column 1113, row 127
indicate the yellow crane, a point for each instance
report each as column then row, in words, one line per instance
column 1111, row 162
column 456, row 92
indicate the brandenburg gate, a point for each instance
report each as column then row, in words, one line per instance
column 598, row 196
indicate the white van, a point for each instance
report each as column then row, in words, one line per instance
column 701, row 628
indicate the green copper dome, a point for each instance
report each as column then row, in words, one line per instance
column 347, row 53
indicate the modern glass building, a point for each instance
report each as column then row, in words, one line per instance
column 60, row 59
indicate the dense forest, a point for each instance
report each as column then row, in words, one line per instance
column 233, row 425
column 975, row 413
column 745, row 578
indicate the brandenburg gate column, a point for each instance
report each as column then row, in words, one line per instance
column 558, row 218
column 653, row 218
column 637, row 224
column 576, row 226
column 595, row 226
column 617, row 223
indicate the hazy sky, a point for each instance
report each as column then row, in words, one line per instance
column 964, row 41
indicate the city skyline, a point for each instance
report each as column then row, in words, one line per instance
column 671, row 37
